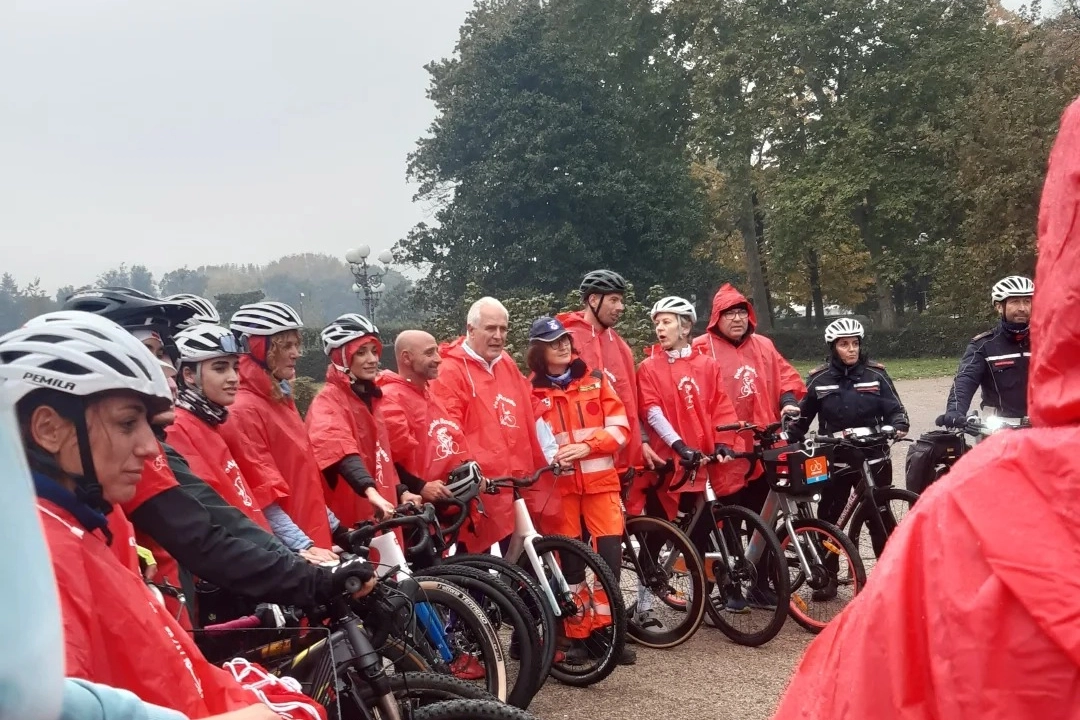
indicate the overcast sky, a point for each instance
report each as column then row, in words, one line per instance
column 209, row 131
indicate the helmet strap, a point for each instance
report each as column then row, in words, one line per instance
column 596, row 309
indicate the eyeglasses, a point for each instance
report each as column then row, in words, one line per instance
column 559, row 342
column 736, row 313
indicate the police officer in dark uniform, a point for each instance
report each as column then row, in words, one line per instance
column 997, row 360
column 848, row 391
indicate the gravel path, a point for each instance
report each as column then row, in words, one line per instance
column 709, row 677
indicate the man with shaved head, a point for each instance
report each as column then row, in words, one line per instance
column 425, row 445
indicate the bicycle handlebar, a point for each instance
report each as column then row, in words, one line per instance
column 241, row 623
column 493, row 484
column 404, row 515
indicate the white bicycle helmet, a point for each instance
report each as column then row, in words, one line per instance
column 205, row 312
column 265, row 318
column 464, row 481
column 342, row 331
column 1012, row 286
column 677, row 305
column 79, row 354
column 844, row 327
column 207, row 342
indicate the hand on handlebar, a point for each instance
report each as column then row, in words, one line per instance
column 383, row 508
column 354, row 576
column 790, row 411
column 951, row 420
column 723, row 453
column 408, row 498
column 318, row 556
column 688, row 456
column 435, row 491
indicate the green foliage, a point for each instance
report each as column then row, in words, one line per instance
column 304, row 390
column 558, row 148
column 635, row 325
column 229, row 303
column 925, row 337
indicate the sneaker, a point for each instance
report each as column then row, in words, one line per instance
column 736, row 603
column 826, row 593
column 762, row 598
column 628, row 656
column 467, row 667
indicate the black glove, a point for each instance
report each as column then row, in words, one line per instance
column 952, row 420
column 723, row 451
column 341, row 537
column 794, row 433
column 688, row 455
column 351, row 575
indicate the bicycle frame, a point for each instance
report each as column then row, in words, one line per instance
column 522, row 541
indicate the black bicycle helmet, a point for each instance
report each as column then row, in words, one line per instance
column 603, row 282
column 464, row 481
column 131, row 309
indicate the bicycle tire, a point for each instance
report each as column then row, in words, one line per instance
column 858, row 571
column 694, row 613
column 735, row 516
column 512, row 611
column 471, row 710
column 861, row 517
column 439, row 591
column 414, row 690
column 530, row 592
column 564, row 672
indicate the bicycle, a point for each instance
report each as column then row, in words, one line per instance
column 545, row 556
column 737, row 583
column 812, row 548
column 865, row 448
column 459, row 635
column 663, row 559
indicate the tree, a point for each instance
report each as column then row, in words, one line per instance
column 183, row 280
column 143, row 280
column 10, row 298
column 558, row 148
column 229, row 303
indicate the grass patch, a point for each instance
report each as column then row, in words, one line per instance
column 905, row 369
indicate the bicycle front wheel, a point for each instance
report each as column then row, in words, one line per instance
column 893, row 505
column 471, row 710
column 457, row 636
column 663, row 583
column 747, row 598
column 833, row 577
column 605, row 645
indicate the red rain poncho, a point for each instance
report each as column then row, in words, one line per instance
column 972, row 610
column 755, row 375
column 269, row 441
column 339, row 424
column 495, row 409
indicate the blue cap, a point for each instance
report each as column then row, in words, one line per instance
column 546, row 329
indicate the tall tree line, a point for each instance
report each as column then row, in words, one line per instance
column 885, row 155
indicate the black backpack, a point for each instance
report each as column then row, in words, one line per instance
column 931, row 456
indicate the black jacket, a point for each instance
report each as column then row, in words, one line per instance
column 842, row 397
column 996, row 361
column 215, row 541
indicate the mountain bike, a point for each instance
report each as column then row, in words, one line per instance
column 549, row 559
column 873, row 511
column 666, row 598
column 825, row 570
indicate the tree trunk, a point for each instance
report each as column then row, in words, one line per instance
column 817, row 297
column 886, row 310
column 744, row 204
column 759, row 231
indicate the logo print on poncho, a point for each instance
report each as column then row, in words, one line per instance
column 688, row 388
column 748, row 375
column 504, row 410
column 439, row 431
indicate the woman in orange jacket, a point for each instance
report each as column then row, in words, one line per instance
column 590, row 425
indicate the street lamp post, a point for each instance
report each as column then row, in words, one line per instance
column 368, row 277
